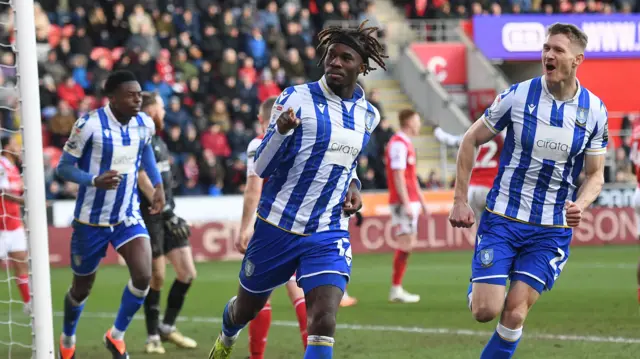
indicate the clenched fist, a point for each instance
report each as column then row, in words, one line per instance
column 287, row 121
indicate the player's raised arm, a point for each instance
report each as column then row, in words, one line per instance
column 593, row 168
column 285, row 117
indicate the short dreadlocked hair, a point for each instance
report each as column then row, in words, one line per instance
column 359, row 39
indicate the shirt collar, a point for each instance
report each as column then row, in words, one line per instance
column 546, row 90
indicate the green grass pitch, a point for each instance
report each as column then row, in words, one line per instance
column 591, row 313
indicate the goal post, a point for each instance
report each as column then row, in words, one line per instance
column 34, row 184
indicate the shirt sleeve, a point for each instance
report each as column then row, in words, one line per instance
column 599, row 139
column 498, row 116
column 398, row 155
column 79, row 137
column 251, row 153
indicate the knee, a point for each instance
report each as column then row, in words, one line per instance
column 80, row 292
column 514, row 317
column 484, row 313
column 157, row 280
column 187, row 275
column 141, row 280
column 322, row 323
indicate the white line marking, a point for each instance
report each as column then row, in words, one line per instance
column 398, row 329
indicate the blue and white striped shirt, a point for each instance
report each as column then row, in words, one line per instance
column 544, row 149
column 311, row 167
column 101, row 143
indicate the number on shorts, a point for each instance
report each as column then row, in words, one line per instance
column 487, row 160
column 557, row 268
column 342, row 252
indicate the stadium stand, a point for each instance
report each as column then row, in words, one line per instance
column 212, row 62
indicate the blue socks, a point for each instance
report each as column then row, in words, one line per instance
column 132, row 300
column 229, row 329
column 319, row 347
column 72, row 311
column 502, row 344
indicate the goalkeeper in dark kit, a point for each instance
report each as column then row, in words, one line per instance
column 169, row 241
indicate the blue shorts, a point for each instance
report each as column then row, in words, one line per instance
column 507, row 249
column 274, row 255
column 89, row 243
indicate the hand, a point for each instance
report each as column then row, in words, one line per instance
column 574, row 213
column 177, row 226
column 461, row 215
column 287, row 121
column 157, row 201
column 108, row 180
column 242, row 241
column 408, row 211
column 425, row 210
column 353, row 201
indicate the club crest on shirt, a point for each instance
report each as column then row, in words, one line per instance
column 369, row 118
column 248, row 268
column 581, row 116
column 486, row 257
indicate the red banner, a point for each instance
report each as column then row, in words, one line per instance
column 214, row 241
column 479, row 101
column 447, row 61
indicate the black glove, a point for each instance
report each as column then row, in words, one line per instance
column 177, row 226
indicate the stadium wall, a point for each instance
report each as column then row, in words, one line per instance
column 610, row 222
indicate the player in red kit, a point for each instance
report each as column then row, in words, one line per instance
column 405, row 199
column 259, row 326
column 13, row 239
column 635, row 158
column 484, row 171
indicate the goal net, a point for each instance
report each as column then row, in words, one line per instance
column 26, row 326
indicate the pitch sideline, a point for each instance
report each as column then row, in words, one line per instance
column 399, row 329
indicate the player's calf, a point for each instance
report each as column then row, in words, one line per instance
column 504, row 341
column 322, row 308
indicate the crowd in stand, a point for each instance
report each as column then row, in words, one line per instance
column 462, row 9
column 212, row 62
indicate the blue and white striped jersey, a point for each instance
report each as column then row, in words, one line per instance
column 544, row 149
column 311, row 167
column 101, row 143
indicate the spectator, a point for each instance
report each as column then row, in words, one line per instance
column 220, row 115
column 191, row 184
column 70, row 92
column 215, row 141
column 248, row 70
column 269, row 17
column 139, row 19
column 257, row 48
column 267, row 87
column 211, row 62
column 176, row 115
column 229, row 66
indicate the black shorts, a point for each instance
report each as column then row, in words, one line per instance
column 162, row 241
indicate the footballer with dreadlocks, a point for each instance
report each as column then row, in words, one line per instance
column 309, row 154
